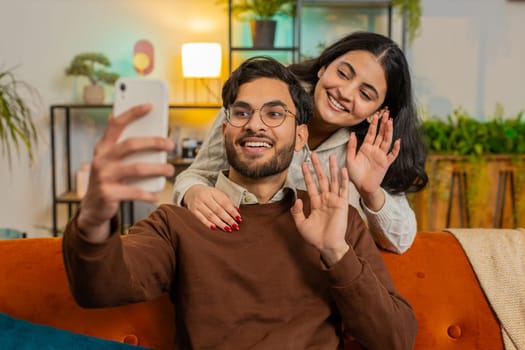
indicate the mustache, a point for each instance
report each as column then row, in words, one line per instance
column 259, row 135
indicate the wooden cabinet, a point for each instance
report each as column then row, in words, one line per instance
column 465, row 192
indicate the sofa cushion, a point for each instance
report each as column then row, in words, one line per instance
column 23, row 335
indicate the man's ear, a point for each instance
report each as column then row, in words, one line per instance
column 301, row 136
column 223, row 128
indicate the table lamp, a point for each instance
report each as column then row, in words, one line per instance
column 202, row 62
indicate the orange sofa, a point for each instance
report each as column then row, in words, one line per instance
column 434, row 275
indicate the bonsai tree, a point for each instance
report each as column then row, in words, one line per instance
column 16, row 122
column 92, row 65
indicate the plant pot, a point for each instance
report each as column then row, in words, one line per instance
column 93, row 94
column 263, row 33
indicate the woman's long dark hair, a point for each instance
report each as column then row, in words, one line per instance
column 407, row 173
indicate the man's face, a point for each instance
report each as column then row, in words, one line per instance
column 256, row 150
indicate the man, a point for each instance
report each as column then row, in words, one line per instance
column 287, row 281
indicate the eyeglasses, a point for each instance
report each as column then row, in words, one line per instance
column 272, row 114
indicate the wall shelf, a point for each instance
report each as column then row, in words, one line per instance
column 69, row 196
column 295, row 36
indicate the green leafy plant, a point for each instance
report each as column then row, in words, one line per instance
column 92, row 65
column 16, row 121
column 461, row 134
column 262, row 9
column 413, row 11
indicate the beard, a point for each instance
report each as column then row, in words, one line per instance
column 250, row 169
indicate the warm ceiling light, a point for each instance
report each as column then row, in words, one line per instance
column 201, row 60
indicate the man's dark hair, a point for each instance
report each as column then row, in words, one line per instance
column 268, row 67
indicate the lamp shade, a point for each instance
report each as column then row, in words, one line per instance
column 201, row 60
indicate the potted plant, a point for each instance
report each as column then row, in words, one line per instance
column 261, row 14
column 92, row 65
column 16, row 121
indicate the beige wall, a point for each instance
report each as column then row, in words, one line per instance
column 471, row 54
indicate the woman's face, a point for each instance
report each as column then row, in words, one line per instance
column 350, row 89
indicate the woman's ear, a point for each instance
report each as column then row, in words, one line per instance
column 301, row 136
column 321, row 71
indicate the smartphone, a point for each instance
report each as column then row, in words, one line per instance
column 130, row 92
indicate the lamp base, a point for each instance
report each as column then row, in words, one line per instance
column 202, row 90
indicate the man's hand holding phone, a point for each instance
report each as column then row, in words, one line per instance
column 113, row 178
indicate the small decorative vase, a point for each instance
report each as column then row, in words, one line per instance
column 93, row 94
column 263, row 33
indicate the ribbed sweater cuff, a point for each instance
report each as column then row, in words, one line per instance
column 87, row 248
column 381, row 216
column 345, row 271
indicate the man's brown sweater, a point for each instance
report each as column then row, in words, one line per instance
column 263, row 287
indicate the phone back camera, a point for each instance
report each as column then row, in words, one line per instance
column 122, row 87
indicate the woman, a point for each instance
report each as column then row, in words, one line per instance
column 363, row 100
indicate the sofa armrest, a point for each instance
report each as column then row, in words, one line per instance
column 35, row 288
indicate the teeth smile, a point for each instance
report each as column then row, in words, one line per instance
column 336, row 104
column 257, row 144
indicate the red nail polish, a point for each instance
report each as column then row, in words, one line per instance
column 213, row 227
column 238, row 218
column 239, row 210
column 228, row 229
column 235, row 227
